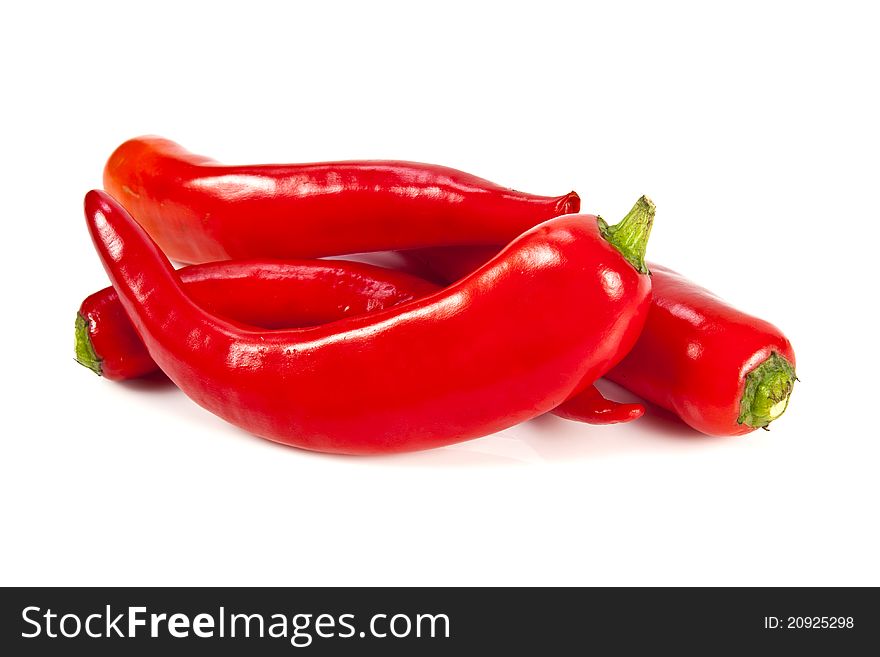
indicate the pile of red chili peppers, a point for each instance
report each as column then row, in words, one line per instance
column 505, row 305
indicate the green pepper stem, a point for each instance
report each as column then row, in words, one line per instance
column 768, row 389
column 630, row 236
column 85, row 350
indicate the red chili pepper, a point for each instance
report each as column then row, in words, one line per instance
column 509, row 342
column 280, row 294
column 198, row 210
column 722, row 371
column 265, row 294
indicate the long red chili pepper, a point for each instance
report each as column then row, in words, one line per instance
column 509, row 342
column 198, row 210
column 264, row 294
column 280, row 294
column 722, row 371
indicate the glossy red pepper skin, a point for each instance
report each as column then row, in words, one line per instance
column 281, row 294
column 552, row 312
column 198, row 210
column 693, row 356
column 695, row 353
column 260, row 293
column 592, row 407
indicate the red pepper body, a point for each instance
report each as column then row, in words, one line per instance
column 552, row 312
column 695, row 353
column 266, row 294
column 282, row 294
column 198, row 210
column 693, row 356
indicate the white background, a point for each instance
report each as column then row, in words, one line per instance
column 753, row 128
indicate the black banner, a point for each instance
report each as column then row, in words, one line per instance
column 278, row 621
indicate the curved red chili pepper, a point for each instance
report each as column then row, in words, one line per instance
column 198, row 210
column 724, row 372
column 279, row 294
column 509, row 342
column 260, row 293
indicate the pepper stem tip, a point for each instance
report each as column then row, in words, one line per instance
column 767, row 392
column 630, row 235
column 84, row 349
